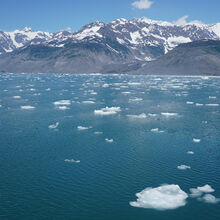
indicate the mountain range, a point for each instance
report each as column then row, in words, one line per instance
column 140, row 45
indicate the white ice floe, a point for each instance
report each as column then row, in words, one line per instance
column 62, row 107
column 126, row 93
column 189, row 103
column 135, row 99
column 168, row 114
column 62, row 102
column 107, row 111
column 108, row 140
column 197, row 192
column 80, row 128
column 196, row 140
column 98, row 132
column 88, row 102
column 72, row 161
column 208, row 198
column 214, row 104
column 183, row 167
column 141, row 116
column 53, row 126
column 199, row 104
column 134, row 84
column 16, row 97
column 190, row 152
column 212, row 97
column 164, row 197
column 105, row 85
column 152, row 115
column 156, row 130
column 27, row 107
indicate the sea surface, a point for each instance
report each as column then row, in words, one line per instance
column 81, row 146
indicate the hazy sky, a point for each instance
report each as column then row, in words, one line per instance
column 54, row 15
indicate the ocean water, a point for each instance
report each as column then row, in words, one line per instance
column 81, row 147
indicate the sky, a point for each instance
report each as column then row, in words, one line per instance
column 55, row 15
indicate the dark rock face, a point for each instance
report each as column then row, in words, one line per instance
column 195, row 58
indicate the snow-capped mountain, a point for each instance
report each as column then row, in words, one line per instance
column 146, row 39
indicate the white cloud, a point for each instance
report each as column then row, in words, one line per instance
column 161, row 198
column 68, row 29
column 142, row 4
column 183, row 21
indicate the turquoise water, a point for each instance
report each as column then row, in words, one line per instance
column 62, row 171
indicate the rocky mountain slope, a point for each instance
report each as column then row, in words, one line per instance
column 97, row 47
column 194, row 58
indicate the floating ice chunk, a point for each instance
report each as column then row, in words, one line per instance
column 135, row 100
column 62, row 107
column 88, row 102
column 98, row 132
column 80, row 128
column 126, row 93
column 27, row 107
column 134, row 84
column 72, row 161
column 53, row 126
column 212, row 97
column 206, row 188
column 208, row 198
column 152, row 115
column 105, row 85
column 62, row 102
column 16, row 97
column 48, row 89
column 199, row 104
column 108, row 140
column 196, row 140
column 214, row 104
column 190, row 152
column 189, row 103
column 164, row 197
column 167, row 114
column 197, row 192
column 141, row 116
column 183, row 167
column 107, row 111
column 156, row 130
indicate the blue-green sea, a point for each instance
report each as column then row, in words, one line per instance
column 81, row 146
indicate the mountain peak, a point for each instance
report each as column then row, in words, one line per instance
column 27, row 29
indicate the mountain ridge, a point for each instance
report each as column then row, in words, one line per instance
column 120, row 45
